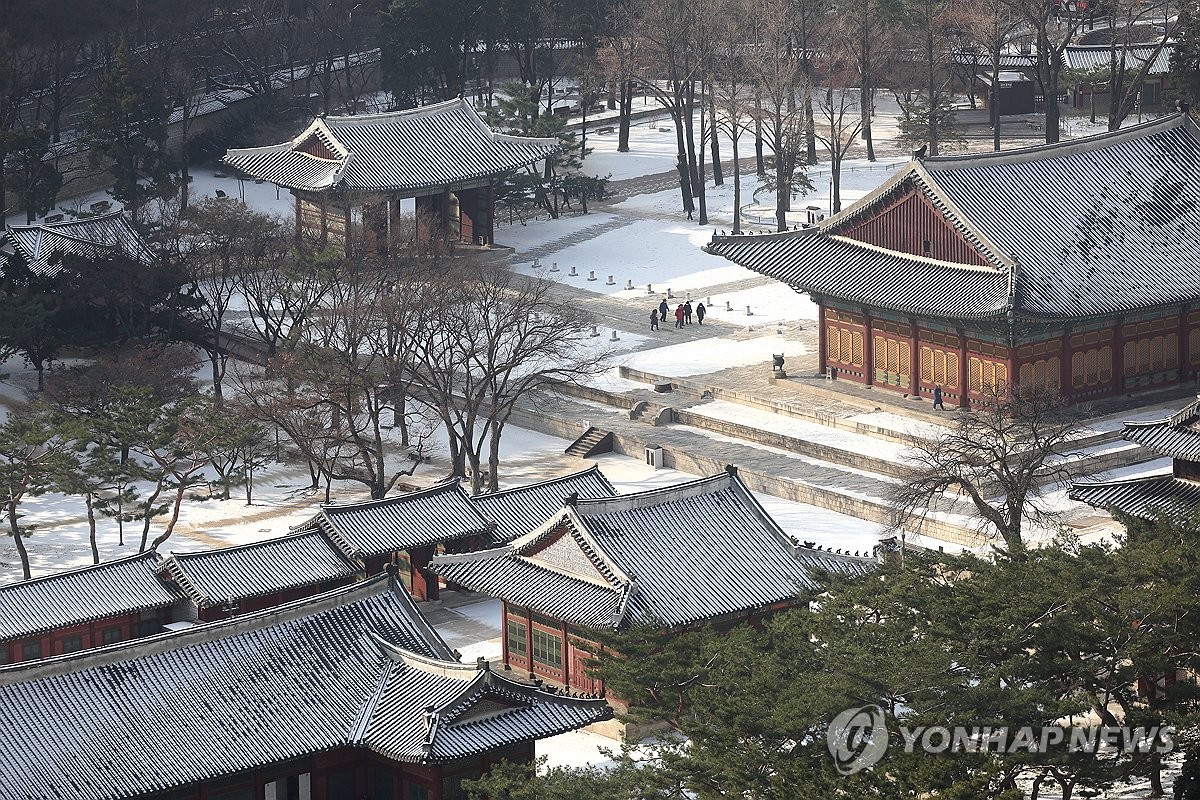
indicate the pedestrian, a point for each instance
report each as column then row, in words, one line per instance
column 937, row 398
column 654, row 319
column 700, row 312
column 679, row 316
column 687, row 312
column 663, row 310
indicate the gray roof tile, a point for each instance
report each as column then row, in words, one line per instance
column 1087, row 227
column 440, row 513
column 355, row 667
column 668, row 556
column 111, row 588
column 431, row 147
column 92, row 237
column 213, row 577
column 1177, row 436
column 518, row 511
column 1142, row 497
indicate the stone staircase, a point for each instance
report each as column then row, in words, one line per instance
column 593, row 442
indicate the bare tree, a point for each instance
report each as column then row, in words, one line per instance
column 1001, row 457
column 1054, row 27
column 1127, row 20
column 839, row 129
column 990, row 26
column 503, row 337
column 732, row 93
column 779, row 74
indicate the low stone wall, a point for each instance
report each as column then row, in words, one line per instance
column 635, row 447
column 804, row 447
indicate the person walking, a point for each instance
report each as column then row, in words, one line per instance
column 937, row 398
column 679, row 316
column 663, row 310
column 687, row 312
column 700, row 312
column 654, row 319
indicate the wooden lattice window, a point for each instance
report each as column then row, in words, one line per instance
column 1171, row 351
column 832, row 344
column 905, row 359
column 1027, row 375
column 1105, row 367
column 1194, row 347
column 845, row 349
column 927, row 364
column 1092, row 367
column 856, row 349
column 1131, row 358
column 1054, row 370
column 1078, row 370
column 880, row 353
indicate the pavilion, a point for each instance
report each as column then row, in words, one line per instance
column 348, row 694
column 347, row 172
column 1074, row 265
column 694, row 553
column 42, row 245
column 1176, row 493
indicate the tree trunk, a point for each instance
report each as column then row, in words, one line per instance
column 493, row 481
column 166, row 534
column 158, row 486
column 218, row 372
column 703, row 209
column 15, row 530
column 689, row 130
column 930, row 87
column 89, row 499
column 782, row 190
column 476, row 478
column 810, row 125
column 737, row 185
column 626, row 106
column 760, row 163
column 865, row 104
column 718, row 175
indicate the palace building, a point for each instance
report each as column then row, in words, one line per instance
column 1176, row 493
column 1074, row 265
column 407, row 530
column 350, row 172
column 699, row 552
column 341, row 696
column 41, row 246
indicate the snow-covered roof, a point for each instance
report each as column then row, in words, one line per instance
column 520, row 510
column 43, row 244
column 440, row 513
column 1091, row 56
column 1142, row 497
column 109, row 589
column 357, row 667
column 213, row 577
column 669, row 556
column 418, row 151
column 1088, row 227
column 1177, row 436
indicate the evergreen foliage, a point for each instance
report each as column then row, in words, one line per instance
column 127, row 129
column 29, row 173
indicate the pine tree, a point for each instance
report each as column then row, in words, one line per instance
column 1185, row 57
column 127, row 129
column 34, row 180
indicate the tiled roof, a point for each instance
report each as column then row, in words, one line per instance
column 1177, row 436
column 111, row 588
column 669, row 556
column 1088, row 227
column 431, row 147
column 834, row 266
column 1142, row 497
column 440, row 513
column 355, row 667
column 1088, row 56
column 93, row 237
column 213, row 577
column 518, row 511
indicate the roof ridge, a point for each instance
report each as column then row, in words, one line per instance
column 544, row 482
column 291, row 534
column 1120, row 481
column 415, row 111
column 77, row 570
column 448, row 483
column 678, row 488
column 988, row 268
column 1067, row 146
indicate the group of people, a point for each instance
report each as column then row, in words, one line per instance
column 683, row 314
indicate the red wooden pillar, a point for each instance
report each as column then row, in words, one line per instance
column 964, row 373
column 1066, row 388
column 1118, row 358
column 868, row 347
column 821, row 336
column 566, row 657
column 914, row 358
column 1182, row 335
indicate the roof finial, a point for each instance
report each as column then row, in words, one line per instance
column 731, row 469
column 571, row 499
